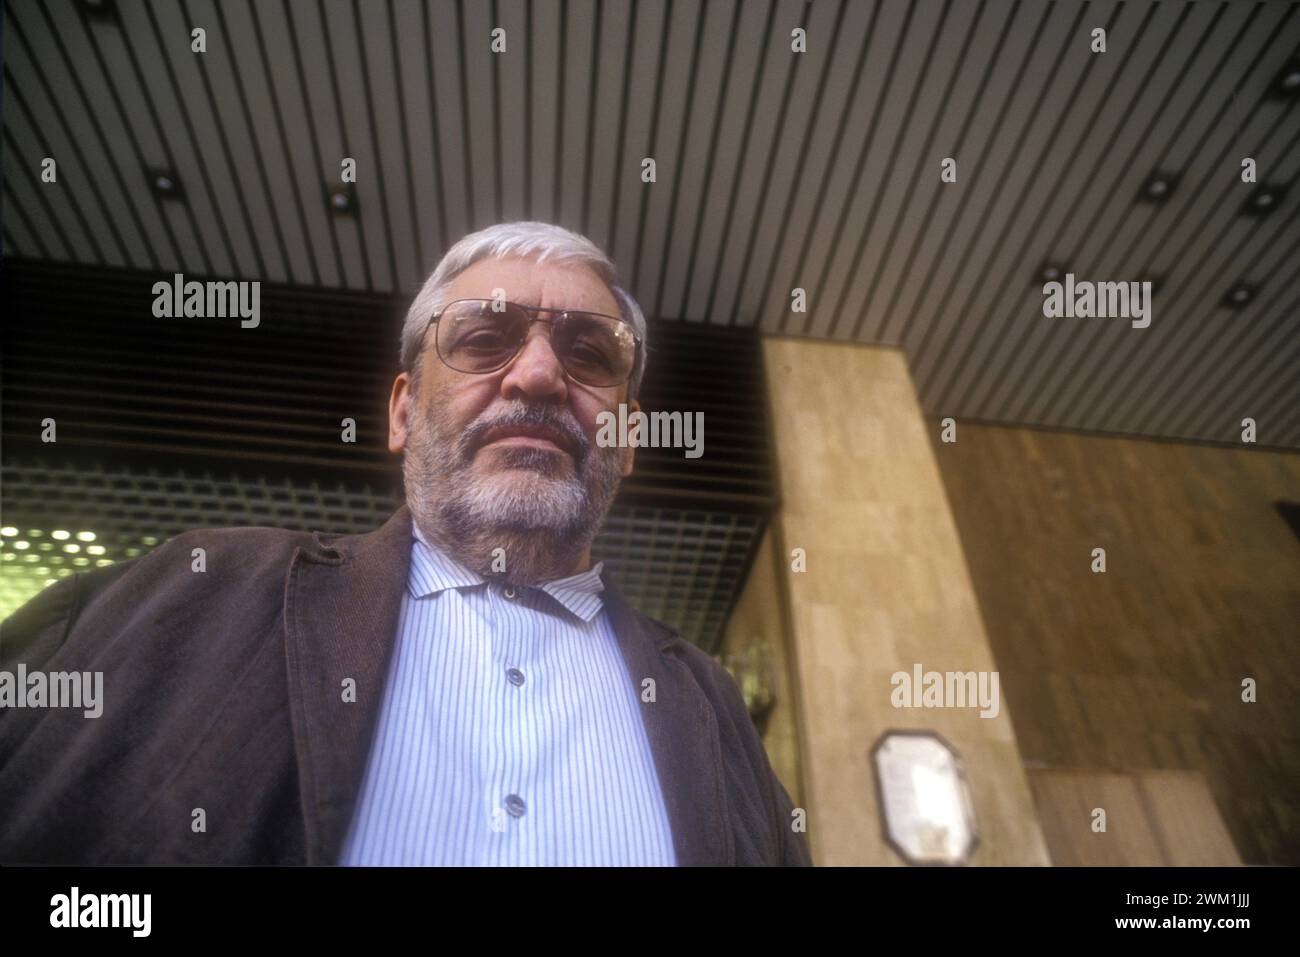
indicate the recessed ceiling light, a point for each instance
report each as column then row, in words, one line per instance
column 1266, row 198
column 1287, row 83
column 1158, row 187
column 1239, row 295
column 342, row 199
column 165, row 184
column 99, row 9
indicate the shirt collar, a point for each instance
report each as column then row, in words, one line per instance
column 433, row 571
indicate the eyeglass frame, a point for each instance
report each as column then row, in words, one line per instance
column 532, row 312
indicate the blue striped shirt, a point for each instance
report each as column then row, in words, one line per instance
column 510, row 732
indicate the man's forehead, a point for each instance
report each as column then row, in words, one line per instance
column 531, row 283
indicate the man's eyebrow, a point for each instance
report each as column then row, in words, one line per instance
column 533, row 304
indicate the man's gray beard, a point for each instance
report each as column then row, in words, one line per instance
column 544, row 521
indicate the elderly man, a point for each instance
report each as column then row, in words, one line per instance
column 460, row 687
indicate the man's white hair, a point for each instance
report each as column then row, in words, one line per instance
column 544, row 242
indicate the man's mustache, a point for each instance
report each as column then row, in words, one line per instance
column 543, row 416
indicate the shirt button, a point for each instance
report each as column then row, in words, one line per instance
column 509, row 592
column 515, row 805
column 515, row 676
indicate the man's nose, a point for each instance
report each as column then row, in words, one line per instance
column 536, row 372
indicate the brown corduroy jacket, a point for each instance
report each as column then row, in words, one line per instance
column 223, row 704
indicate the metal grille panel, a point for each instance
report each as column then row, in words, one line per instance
column 681, row 566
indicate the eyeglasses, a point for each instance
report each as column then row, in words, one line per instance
column 478, row 336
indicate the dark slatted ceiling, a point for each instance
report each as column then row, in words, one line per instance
column 774, row 171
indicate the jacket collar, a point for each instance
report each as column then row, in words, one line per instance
column 343, row 598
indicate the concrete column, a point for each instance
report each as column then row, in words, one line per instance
column 886, row 588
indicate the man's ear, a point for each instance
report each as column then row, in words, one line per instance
column 398, row 406
column 629, row 453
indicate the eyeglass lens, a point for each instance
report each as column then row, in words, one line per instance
column 474, row 337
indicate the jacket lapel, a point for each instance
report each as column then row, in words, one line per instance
column 342, row 603
column 683, row 734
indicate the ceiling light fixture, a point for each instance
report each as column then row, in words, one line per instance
column 1158, row 187
column 98, row 9
column 1239, row 295
column 1265, row 198
column 1287, row 84
column 165, row 184
column 341, row 199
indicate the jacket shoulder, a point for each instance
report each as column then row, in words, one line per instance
column 251, row 542
column 240, row 558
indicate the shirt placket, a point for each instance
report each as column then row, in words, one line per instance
column 512, row 774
